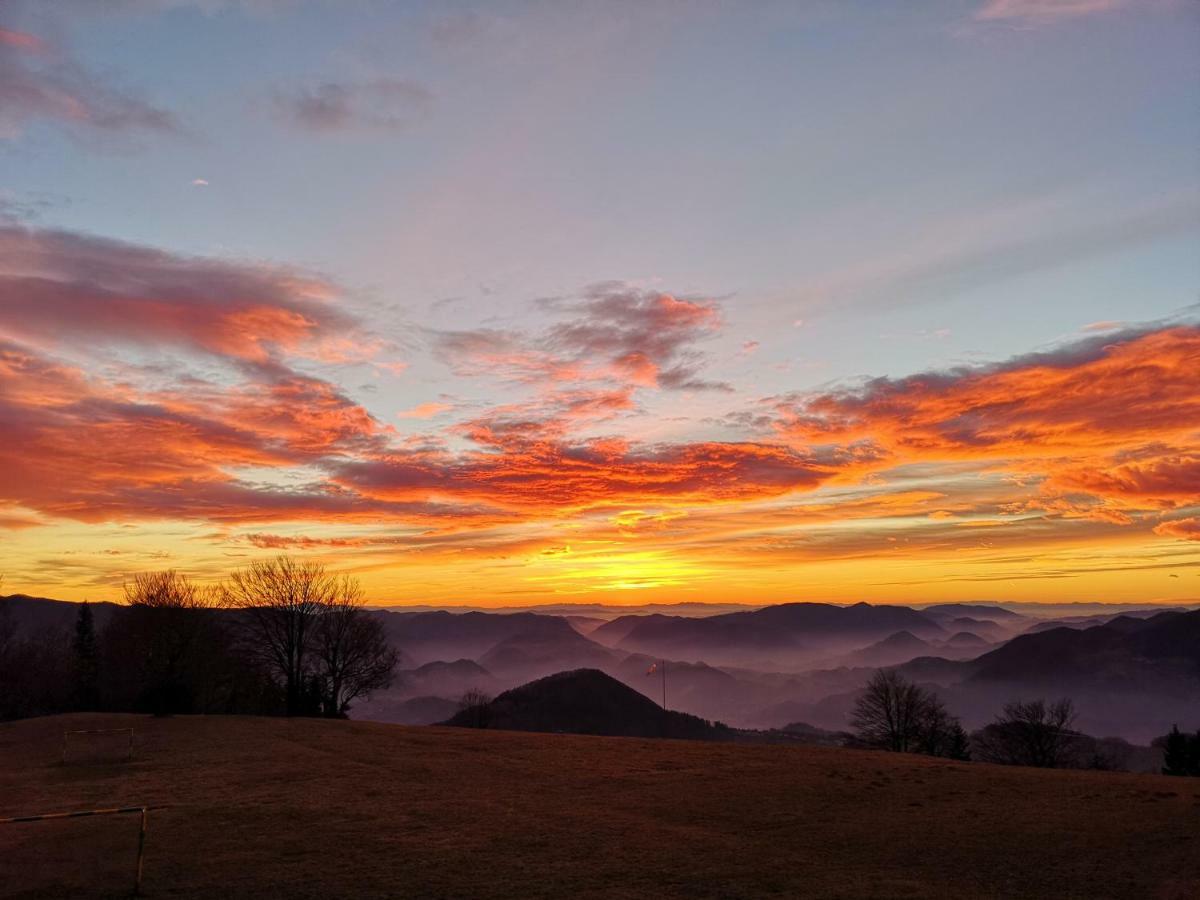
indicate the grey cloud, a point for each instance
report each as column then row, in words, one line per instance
column 383, row 104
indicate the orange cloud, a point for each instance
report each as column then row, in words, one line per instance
column 1184, row 529
column 1111, row 417
column 1074, row 445
column 554, row 476
column 263, row 442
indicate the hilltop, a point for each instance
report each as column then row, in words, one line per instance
column 314, row 809
column 587, row 701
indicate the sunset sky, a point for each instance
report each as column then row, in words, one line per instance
column 514, row 303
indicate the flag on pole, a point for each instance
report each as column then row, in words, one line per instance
column 653, row 668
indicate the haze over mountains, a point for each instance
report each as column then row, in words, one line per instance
column 1132, row 672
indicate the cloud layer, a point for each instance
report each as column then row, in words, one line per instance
column 138, row 385
column 1106, row 425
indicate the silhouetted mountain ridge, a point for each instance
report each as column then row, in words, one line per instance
column 587, row 701
column 783, row 635
column 1162, row 651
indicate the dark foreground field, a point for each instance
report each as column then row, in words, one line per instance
column 303, row 808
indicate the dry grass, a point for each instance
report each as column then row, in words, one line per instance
column 278, row 808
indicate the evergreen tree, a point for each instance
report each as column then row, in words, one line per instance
column 1181, row 753
column 86, row 661
column 959, row 744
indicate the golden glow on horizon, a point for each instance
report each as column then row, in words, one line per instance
column 1072, row 474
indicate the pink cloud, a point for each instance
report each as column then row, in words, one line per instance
column 1042, row 12
column 60, row 287
column 22, row 40
column 37, row 84
column 424, row 411
column 611, row 333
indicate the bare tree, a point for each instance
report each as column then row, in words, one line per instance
column 1033, row 733
column 890, row 712
column 166, row 589
column 351, row 650
column 894, row 714
column 162, row 629
column 282, row 601
column 473, row 709
column 939, row 733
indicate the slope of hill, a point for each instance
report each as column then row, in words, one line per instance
column 897, row 648
column 431, row 636
column 544, row 650
column 419, row 710
column 1130, row 677
column 1160, row 653
column 985, row 611
column 988, row 630
column 32, row 614
column 966, row 640
column 463, row 672
column 315, row 809
column 427, row 694
column 587, row 701
column 697, row 688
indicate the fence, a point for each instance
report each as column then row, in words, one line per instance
column 116, row 810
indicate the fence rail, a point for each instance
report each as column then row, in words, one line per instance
column 109, row 811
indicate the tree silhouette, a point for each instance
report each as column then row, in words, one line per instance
column 1033, row 733
column 351, row 651
column 474, row 709
column 894, row 714
column 86, row 660
column 309, row 629
column 281, row 601
column 163, row 626
column 8, row 630
column 1181, row 752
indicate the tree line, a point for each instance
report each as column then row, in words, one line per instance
column 896, row 714
column 279, row 637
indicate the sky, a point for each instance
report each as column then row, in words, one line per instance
column 512, row 303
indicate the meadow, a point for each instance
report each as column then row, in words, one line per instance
column 298, row 808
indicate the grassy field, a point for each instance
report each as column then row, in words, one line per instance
column 303, row 808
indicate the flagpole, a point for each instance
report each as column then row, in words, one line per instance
column 664, row 674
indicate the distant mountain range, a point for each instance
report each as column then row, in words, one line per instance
column 776, row 637
column 36, row 613
column 1131, row 674
column 433, row 636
